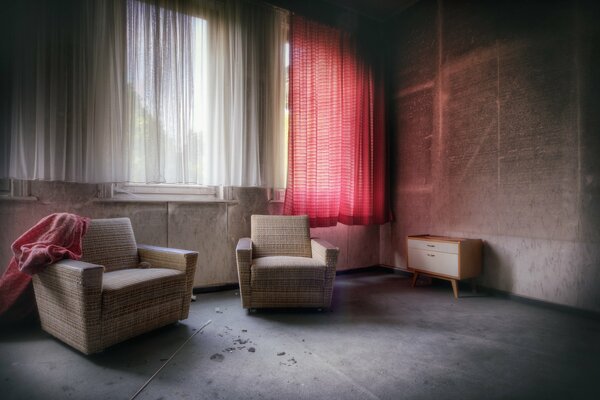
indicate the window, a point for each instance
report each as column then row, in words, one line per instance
column 167, row 94
column 206, row 95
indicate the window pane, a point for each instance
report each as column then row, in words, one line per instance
column 166, row 75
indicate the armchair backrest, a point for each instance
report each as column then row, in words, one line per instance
column 275, row 235
column 110, row 242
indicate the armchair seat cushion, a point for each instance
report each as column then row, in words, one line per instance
column 281, row 273
column 129, row 290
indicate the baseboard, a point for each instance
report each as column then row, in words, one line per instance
column 215, row 288
column 541, row 303
column 372, row 268
column 521, row 299
column 397, row 270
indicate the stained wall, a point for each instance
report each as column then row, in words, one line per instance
column 496, row 135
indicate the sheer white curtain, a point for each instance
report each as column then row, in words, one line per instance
column 206, row 92
column 65, row 98
column 166, row 57
column 245, row 139
column 149, row 91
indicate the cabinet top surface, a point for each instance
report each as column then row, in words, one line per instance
column 437, row 238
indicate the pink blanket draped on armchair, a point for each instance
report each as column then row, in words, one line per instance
column 53, row 238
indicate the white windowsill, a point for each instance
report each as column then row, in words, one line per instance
column 150, row 199
column 18, row 198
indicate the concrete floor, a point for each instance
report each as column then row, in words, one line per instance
column 381, row 340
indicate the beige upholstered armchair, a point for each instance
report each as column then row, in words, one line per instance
column 116, row 291
column 280, row 266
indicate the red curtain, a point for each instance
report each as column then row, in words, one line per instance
column 337, row 147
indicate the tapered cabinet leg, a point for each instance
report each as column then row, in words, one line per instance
column 455, row 288
column 414, row 279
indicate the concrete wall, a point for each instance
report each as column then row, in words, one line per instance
column 211, row 228
column 496, row 135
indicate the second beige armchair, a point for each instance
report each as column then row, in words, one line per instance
column 280, row 266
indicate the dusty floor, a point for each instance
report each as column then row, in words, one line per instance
column 381, row 340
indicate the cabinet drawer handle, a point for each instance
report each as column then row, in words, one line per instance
column 431, row 255
column 431, row 245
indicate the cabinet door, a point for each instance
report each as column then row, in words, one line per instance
column 433, row 261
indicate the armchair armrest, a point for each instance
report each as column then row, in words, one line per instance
column 243, row 257
column 69, row 298
column 328, row 255
column 166, row 257
column 243, row 250
column 77, row 267
column 324, row 252
column 182, row 260
column 73, row 278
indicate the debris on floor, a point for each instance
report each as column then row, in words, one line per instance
column 218, row 310
column 281, row 353
column 244, row 330
column 217, row 357
column 240, row 341
column 251, row 350
column 290, row 362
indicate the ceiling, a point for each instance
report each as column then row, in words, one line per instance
column 377, row 9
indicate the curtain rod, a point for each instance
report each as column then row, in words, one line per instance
column 266, row 4
column 261, row 3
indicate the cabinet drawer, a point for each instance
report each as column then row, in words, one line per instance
column 433, row 261
column 446, row 247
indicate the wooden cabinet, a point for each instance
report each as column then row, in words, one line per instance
column 447, row 258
